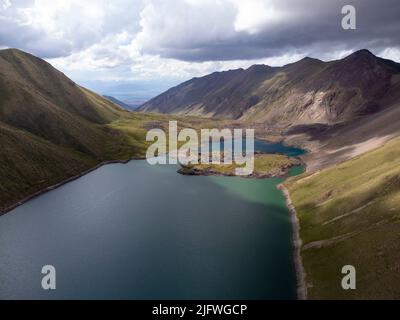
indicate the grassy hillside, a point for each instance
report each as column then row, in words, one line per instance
column 350, row 215
column 26, row 74
column 30, row 163
column 39, row 99
column 52, row 129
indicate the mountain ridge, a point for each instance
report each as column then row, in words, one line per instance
column 306, row 91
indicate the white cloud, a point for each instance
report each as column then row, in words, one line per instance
column 120, row 62
column 178, row 39
column 5, row 4
column 184, row 25
column 255, row 15
column 392, row 54
column 58, row 28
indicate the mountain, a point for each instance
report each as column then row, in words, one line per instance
column 305, row 92
column 41, row 100
column 50, row 127
column 120, row 103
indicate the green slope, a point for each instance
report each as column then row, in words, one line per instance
column 23, row 71
column 39, row 99
column 52, row 129
column 30, row 163
column 350, row 215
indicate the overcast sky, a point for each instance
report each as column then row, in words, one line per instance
column 140, row 42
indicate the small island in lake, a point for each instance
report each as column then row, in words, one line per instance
column 265, row 166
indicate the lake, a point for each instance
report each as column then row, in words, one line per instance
column 135, row 231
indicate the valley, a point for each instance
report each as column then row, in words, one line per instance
column 344, row 113
column 52, row 129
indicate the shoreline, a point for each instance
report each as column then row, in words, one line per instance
column 297, row 243
column 63, row 182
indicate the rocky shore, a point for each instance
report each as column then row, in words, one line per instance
column 297, row 244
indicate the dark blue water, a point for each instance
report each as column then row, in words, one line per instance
column 135, row 231
column 262, row 146
column 277, row 148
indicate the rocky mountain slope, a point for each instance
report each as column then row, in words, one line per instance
column 305, row 92
column 339, row 109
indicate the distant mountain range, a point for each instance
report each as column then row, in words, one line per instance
column 126, row 106
column 305, row 92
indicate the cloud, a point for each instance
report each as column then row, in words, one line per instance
column 184, row 28
column 58, row 28
column 255, row 15
column 198, row 30
column 129, row 40
column 233, row 29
